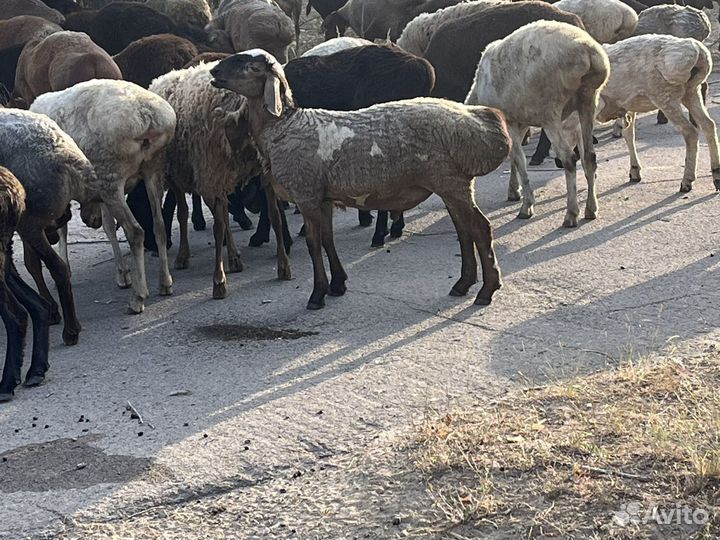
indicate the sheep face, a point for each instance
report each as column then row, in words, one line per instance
column 218, row 39
column 91, row 214
column 254, row 74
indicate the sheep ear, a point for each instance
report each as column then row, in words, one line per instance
column 271, row 96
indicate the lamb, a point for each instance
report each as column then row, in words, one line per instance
column 392, row 155
column 14, row 34
column 59, row 61
column 607, row 21
column 251, row 23
column 13, row 8
column 212, row 152
column 16, row 297
column 184, row 12
column 53, row 171
column 123, row 129
column 456, row 46
column 655, row 71
column 416, row 35
column 566, row 69
column 336, row 45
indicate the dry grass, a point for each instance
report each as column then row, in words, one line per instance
column 561, row 460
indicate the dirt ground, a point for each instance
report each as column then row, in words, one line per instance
column 265, row 420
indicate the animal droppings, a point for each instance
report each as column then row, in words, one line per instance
column 242, row 332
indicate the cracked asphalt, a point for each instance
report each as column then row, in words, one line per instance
column 282, row 397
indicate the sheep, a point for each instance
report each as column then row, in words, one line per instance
column 607, row 21
column 13, row 8
column 17, row 299
column 211, row 153
column 335, row 45
column 392, row 155
column 655, row 71
column 184, row 12
column 416, row 35
column 14, row 34
column 251, row 23
column 566, row 69
column 293, row 9
column 456, row 46
column 64, row 6
column 674, row 20
column 58, row 61
column 324, row 7
column 53, row 171
column 378, row 19
column 123, row 129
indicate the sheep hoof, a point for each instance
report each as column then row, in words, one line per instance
column 284, row 273
column 219, row 290
column 459, row 289
column 181, row 264
column 33, row 380
column 536, row 160
column 166, row 290
column 525, row 214
column 235, row 264
column 685, row 186
column 590, row 214
column 570, row 221
column 337, row 289
column 514, row 195
column 378, row 240
column 365, row 218
column 6, row 396
column 635, row 179
column 257, row 240
column 716, row 183
column 314, row 306
column 245, row 223
column 484, row 297
column 198, row 221
column 123, row 279
column 396, row 229
column 71, row 337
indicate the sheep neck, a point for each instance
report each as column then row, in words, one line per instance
column 260, row 121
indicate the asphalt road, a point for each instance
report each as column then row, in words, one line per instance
column 237, row 411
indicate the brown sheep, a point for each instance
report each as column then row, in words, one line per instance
column 59, row 61
column 14, row 34
column 13, row 8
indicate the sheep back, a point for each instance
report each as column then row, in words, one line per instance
column 201, row 157
column 607, row 21
column 13, row 8
column 20, row 30
column 456, row 46
column 555, row 60
column 152, row 56
column 335, row 45
column 117, row 124
column 59, row 61
column 359, row 77
column 184, row 12
column 674, row 20
column 48, row 163
column 349, row 156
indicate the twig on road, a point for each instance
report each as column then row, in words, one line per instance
column 134, row 412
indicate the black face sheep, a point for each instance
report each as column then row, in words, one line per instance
column 656, row 71
column 456, row 46
column 59, row 61
column 123, row 129
column 53, row 171
column 388, row 156
column 565, row 68
column 17, row 299
column 13, row 8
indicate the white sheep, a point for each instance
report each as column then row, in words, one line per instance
column 336, row 45
column 122, row 129
column 656, row 71
column 416, row 35
column 390, row 156
column 674, row 20
column 607, row 21
column 565, row 68
column 211, row 153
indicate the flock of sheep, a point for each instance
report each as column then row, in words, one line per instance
column 167, row 95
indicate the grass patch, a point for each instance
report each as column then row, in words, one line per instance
column 586, row 458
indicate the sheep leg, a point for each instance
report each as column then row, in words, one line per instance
column 38, row 242
column 287, row 238
column 586, row 112
column 628, row 133
column 154, row 192
column 675, row 114
column 63, row 246
column 468, row 271
column 15, row 321
column 32, row 263
column 337, row 272
column 198, row 219
column 365, row 218
column 283, row 263
column 514, row 193
column 122, row 274
column 39, row 310
column 617, row 129
column 262, row 234
column 234, row 262
column 182, row 259
column 134, row 233
column 519, row 163
column 542, row 151
column 312, row 214
column 661, row 118
column 569, row 160
column 693, row 100
column 396, row 229
column 381, row 229
column 220, row 232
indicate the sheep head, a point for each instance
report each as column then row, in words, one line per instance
column 255, row 74
column 218, row 39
